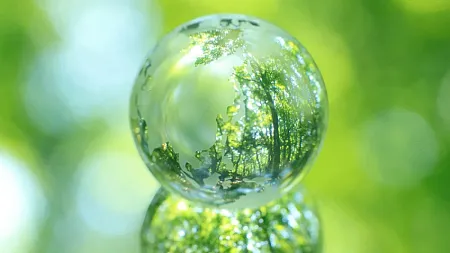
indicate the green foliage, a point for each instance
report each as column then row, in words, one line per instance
column 174, row 225
column 265, row 141
column 374, row 55
column 216, row 43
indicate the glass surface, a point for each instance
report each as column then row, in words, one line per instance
column 228, row 110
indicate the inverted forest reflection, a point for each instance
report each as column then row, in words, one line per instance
column 265, row 132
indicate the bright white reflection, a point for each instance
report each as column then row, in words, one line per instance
column 113, row 191
column 400, row 148
column 190, row 57
column 443, row 101
column 90, row 71
column 22, row 205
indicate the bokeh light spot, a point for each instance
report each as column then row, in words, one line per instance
column 22, row 205
column 88, row 72
column 112, row 192
column 399, row 148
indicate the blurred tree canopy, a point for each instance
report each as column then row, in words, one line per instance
column 375, row 56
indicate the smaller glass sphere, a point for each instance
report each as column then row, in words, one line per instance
column 228, row 110
column 174, row 224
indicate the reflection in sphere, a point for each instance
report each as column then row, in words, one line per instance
column 228, row 110
column 174, row 224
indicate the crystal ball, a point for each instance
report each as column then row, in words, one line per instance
column 229, row 111
column 289, row 224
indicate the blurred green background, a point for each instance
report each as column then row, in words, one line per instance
column 72, row 181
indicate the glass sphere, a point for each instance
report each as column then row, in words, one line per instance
column 173, row 224
column 228, row 110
